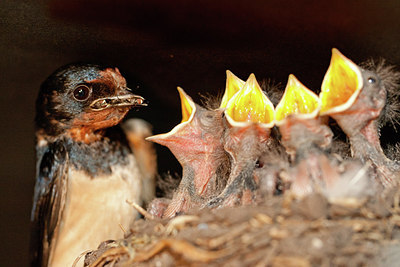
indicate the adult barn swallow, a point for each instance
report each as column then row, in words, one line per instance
column 85, row 168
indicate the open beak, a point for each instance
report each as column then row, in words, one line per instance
column 250, row 105
column 233, row 85
column 298, row 101
column 127, row 100
column 188, row 106
column 341, row 85
column 188, row 111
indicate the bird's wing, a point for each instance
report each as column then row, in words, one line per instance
column 49, row 201
column 136, row 130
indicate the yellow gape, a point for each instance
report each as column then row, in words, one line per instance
column 297, row 101
column 233, row 85
column 187, row 105
column 250, row 105
column 341, row 85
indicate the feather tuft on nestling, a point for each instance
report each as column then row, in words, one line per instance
column 392, row 151
column 274, row 90
column 210, row 101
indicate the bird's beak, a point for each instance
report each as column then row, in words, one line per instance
column 250, row 105
column 126, row 100
column 341, row 85
column 188, row 106
column 298, row 101
column 233, row 85
column 188, row 111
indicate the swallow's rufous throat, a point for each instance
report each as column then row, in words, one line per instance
column 86, row 170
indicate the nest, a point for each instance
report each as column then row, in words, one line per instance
column 279, row 232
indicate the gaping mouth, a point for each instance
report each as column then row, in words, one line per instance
column 129, row 100
column 250, row 105
column 341, row 85
column 188, row 111
column 188, row 106
column 233, row 85
column 297, row 101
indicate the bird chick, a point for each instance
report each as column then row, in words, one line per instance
column 356, row 98
column 271, row 170
column 197, row 145
column 249, row 117
column 85, row 168
column 305, row 137
column 299, row 105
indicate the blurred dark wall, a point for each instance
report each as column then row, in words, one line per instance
column 160, row 45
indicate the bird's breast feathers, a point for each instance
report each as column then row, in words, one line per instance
column 96, row 209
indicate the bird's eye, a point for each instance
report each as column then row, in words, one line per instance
column 259, row 164
column 371, row 80
column 81, row 92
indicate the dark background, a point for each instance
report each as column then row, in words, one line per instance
column 160, row 45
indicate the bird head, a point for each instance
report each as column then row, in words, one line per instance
column 296, row 115
column 195, row 142
column 250, row 106
column 349, row 90
column 197, row 134
column 183, row 136
column 249, row 117
column 79, row 99
column 341, row 86
column 298, row 101
column 390, row 80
